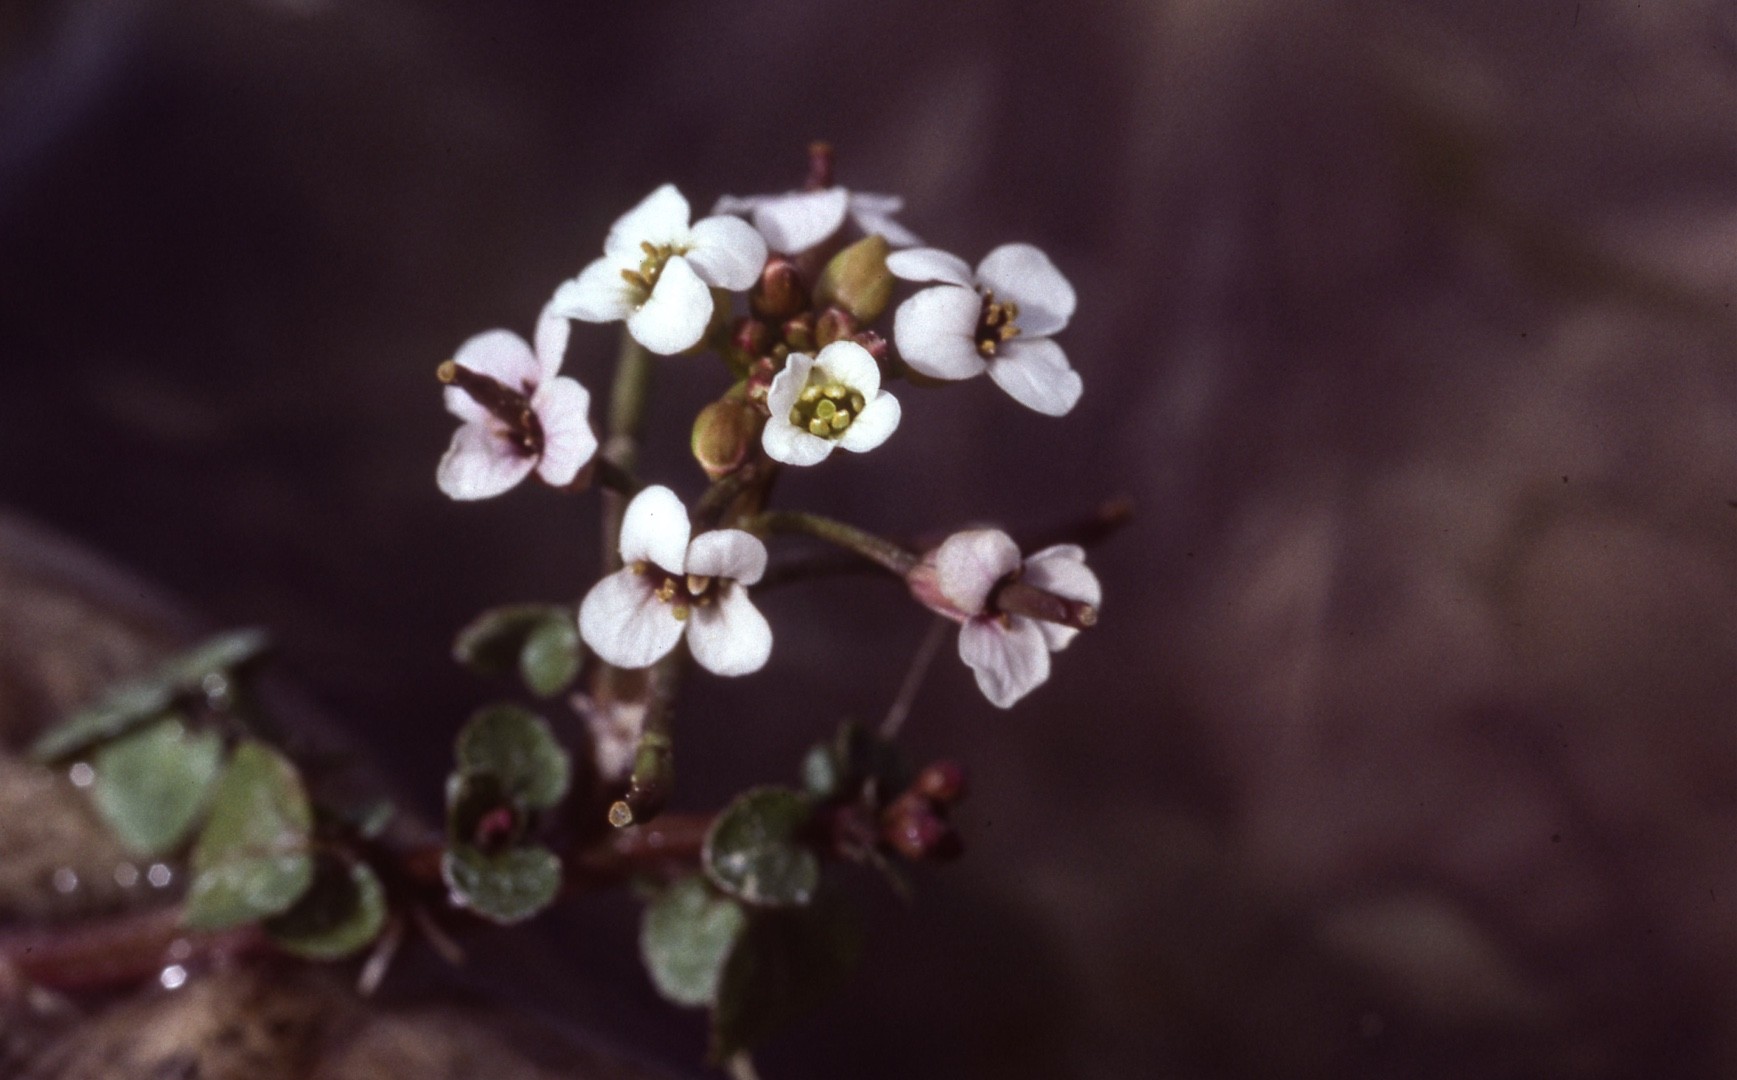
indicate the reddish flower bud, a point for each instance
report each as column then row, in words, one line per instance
column 911, row 827
column 942, row 782
column 780, row 293
column 834, row 324
column 799, row 333
column 752, row 337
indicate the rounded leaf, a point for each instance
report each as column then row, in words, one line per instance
column 754, row 850
column 785, row 964
column 151, row 785
column 687, row 935
column 517, row 747
column 549, row 661
column 492, row 642
column 340, row 915
column 252, row 860
column 507, row 887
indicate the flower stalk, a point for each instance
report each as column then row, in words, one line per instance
column 876, row 549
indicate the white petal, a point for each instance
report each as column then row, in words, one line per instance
column 480, row 464
column 599, row 293
column 728, row 553
column 730, row 637
column 969, row 563
column 1010, row 661
column 660, row 218
column 936, row 332
column 504, row 357
column 1037, row 375
column 563, row 409
column 791, row 445
column 795, row 222
column 674, row 317
column 850, row 363
column 787, row 384
column 738, row 204
column 1062, row 570
column 624, row 622
column 876, row 223
column 1023, row 274
column 875, row 425
column 465, row 407
column 727, row 253
column 655, row 527
column 874, row 202
column 924, row 265
column 551, row 336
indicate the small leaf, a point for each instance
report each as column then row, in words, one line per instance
column 491, row 644
column 754, row 852
column 341, row 914
column 151, row 785
column 506, row 887
column 516, row 746
column 687, row 935
column 550, row 658
column 252, row 861
column 820, row 775
column 784, row 964
column 215, row 656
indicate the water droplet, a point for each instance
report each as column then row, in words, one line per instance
column 65, row 880
column 172, row 977
column 215, row 685
column 81, row 775
column 126, row 875
column 159, row 875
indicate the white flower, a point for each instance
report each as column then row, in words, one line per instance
column 997, row 320
column 967, row 578
column 656, row 269
column 795, row 221
column 834, row 399
column 518, row 414
column 635, row 616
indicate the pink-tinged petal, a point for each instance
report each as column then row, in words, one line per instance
column 480, row 464
column 728, row 553
column 787, row 384
column 674, row 317
column 850, row 363
column 969, row 563
column 660, row 218
column 791, row 445
column 730, row 637
column 925, row 265
column 875, row 424
column 1010, row 661
column 877, row 223
column 1036, row 374
column 1062, row 570
column 655, row 528
column 936, row 332
column 504, row 357
column 797, row 221
column 563, row 409
column 598, row 294
column 727, row 253
column 1023, row 274
column 550, row 339
column 624, row 622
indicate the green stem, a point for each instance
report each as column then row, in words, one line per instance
column 628, row 396
column 876, row 549
column 653, row 779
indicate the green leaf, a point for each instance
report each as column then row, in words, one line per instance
column 516, row 746
column 341, row 914
column 506, row 887
column 252, row 860
column 491, row 644
column 151, row 785
column 215, row 656
column 820, row 772
column 784, row 964
column 754, row 850
column 550, row 658
column 687, row 935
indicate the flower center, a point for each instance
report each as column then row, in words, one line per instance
column 651, row 267
column 682, row 592
column 996, row 324
column 511, row 407
column 826, row 409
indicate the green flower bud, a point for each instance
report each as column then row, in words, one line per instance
column 857, row 280
column 724, row 433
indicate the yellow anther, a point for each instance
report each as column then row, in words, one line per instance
column 836, row 392
column 825, row 408
column 856, row 403
column 640, row 566
column 817, row 426
column 698, row 583
column 666, row 592
column 796, row 417
column 680, row 611
column 447, row 371
column 810, row 395
column 841, row 420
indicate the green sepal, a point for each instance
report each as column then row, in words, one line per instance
column 152, row 784
column 505, row 887
column 687, row 934
column 341, row 914
column 252, row 860
column 755, row 850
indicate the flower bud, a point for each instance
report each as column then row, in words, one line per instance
column 911, row 827
column 874, row 344
column 779, row 294
column 857, row 280
column 751, row 337
column 834, row 324
column 724, row 433
column 941, row 782
column 799, row 333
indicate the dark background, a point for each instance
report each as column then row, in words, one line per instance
column 1407, row 745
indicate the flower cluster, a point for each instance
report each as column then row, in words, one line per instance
column 809, row 374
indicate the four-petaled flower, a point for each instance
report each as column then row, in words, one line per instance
column 518, row 414
column 656, row 269
column 834, row 399
column 969, row 579
column 997, row 320
column 794, row 221
column 669, row 586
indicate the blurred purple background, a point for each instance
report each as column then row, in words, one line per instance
column 1407, row 746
